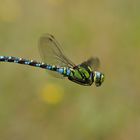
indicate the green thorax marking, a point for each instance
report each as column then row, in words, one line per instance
column 81, row 72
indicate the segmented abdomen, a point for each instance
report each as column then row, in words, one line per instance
column 62, row 70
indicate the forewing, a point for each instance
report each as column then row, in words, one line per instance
column 51, row 52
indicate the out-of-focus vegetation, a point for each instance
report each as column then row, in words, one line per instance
column 35, row 106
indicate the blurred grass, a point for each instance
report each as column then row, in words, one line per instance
column 107, row 29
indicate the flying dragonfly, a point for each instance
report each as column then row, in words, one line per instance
column 59, row 65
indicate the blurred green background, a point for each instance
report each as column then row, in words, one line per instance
column 36, row 106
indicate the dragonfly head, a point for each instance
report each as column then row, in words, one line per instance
column 98, row 78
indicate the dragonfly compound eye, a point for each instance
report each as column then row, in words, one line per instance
column 98, row 78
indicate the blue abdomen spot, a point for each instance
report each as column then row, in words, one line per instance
column 49, row 67
column 27, row 62
column 16, row 60
column 1, row 57
column 68, row 72
column 60, row 70
column 38, row 65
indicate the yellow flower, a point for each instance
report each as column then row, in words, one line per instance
column 52, row 93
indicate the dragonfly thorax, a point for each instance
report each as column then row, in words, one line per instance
column 82, row 75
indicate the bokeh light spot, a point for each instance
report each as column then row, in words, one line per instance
column 52, row 93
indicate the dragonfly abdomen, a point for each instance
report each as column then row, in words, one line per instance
column 62, row 70
column 23, row 61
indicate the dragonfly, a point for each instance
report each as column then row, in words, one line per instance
column 58, row 65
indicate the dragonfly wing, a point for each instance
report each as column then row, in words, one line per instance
column 93, row 62
column 52, row 54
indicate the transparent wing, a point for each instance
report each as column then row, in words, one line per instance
column 93, row 62
column 52, row 54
